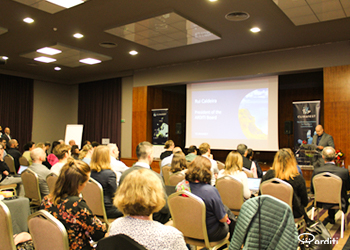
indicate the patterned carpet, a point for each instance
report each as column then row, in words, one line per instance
column 334, row 230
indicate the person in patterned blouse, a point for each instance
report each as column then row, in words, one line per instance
column 68, row 207
column 138, row 197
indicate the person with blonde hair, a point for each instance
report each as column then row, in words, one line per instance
column 101, row 171
column 138, row 197
column 86, row 153
column 62, row 152
column 285, row 168
column 169, row 146
column 66, row 204
column 233, row 167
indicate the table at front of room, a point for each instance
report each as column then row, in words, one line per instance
column 20, row 210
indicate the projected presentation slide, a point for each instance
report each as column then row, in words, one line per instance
column 227, row 113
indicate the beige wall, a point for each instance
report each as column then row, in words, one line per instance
column 55, row 105
column 126, row 128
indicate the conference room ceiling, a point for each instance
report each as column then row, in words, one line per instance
column 163, row 32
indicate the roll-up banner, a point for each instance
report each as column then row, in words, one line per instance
column 160, row 127
column 306, row 118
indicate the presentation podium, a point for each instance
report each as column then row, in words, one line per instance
column 306, row 157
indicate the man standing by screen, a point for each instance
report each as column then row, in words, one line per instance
column 321, row 140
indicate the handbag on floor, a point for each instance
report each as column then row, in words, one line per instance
column 316, row 237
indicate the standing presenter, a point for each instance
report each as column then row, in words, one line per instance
column 321, row 140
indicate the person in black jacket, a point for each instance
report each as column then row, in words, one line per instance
column 328, row 154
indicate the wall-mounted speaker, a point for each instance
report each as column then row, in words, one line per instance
column 288, row 127
column 178, row 128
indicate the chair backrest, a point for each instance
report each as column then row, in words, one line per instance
column 220, row 165
column 10, row 163
column 231, row 192
column 189, row 215
column 175, row 178
column 279, row 189
column 23, row 161
column 166, row 174
column 47, row 232
column 6, row 231
column 248, row 173
column 119, row 242
column 51, row 181
column 30, row 182
column 327, row 188
column 93, row 195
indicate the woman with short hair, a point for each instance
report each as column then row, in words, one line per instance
column 233, row 167
column 68, row 207
column 138, row 197
column 198, row 178
column 178, row 163
column 101, row 171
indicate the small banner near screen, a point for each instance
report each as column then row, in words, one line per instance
column 306, row 118
column 160, row 126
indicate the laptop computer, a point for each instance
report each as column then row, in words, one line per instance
column 254, row 184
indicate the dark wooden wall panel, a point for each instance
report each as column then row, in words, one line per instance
column 337, row 107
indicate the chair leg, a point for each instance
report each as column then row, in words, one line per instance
column 312, row 213
column 342, row 225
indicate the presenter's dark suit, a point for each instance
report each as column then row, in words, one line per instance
column 326, row 140
column 343, row 173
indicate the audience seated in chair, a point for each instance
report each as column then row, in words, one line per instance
column 198, row 178
column 138, row 197
column 144, row 153
column 86, row 153
column 328, row 155
column 169, row 146
column 233, row 167
column 178, row 163
column 248, row 164
column 68, row 207
column 204, row 150
column 38, row 155
column 62, row 152
column 13, row 151
column 284, row 167
column 101, row 171
column 52, row 158
column 191, row 153
column 28, row 147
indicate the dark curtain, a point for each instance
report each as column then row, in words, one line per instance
column 100, row 110
column 16, row 110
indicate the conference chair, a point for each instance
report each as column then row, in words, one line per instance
column 175, row 178
column 189, row 216
column 283, row 191
column 220, row 165
column 23, row 161
column 248, row 173
column 327, row 189
column 51, row 181
column 8, row 159
column 93, row 195
column 118, row 242
column 30, row 182
column 47, row 232
column 231, row 192
column 6, row 230
column 166, row 174
column 9, row 187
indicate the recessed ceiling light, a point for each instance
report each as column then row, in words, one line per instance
column 5, row 57
column 57, row 68
column 255, row 30
column 28, row 20
column 78, row 35
column 133, row 52
column 89, row 61
column 66, row 3
column 49, row 51
column 212, row 0
column 44, row 59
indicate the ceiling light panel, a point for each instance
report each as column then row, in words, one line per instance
column 69, row 56
column 302, row 12
column 44, row 59
column 49, row 51
column 51, row 7
column 164, row 32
